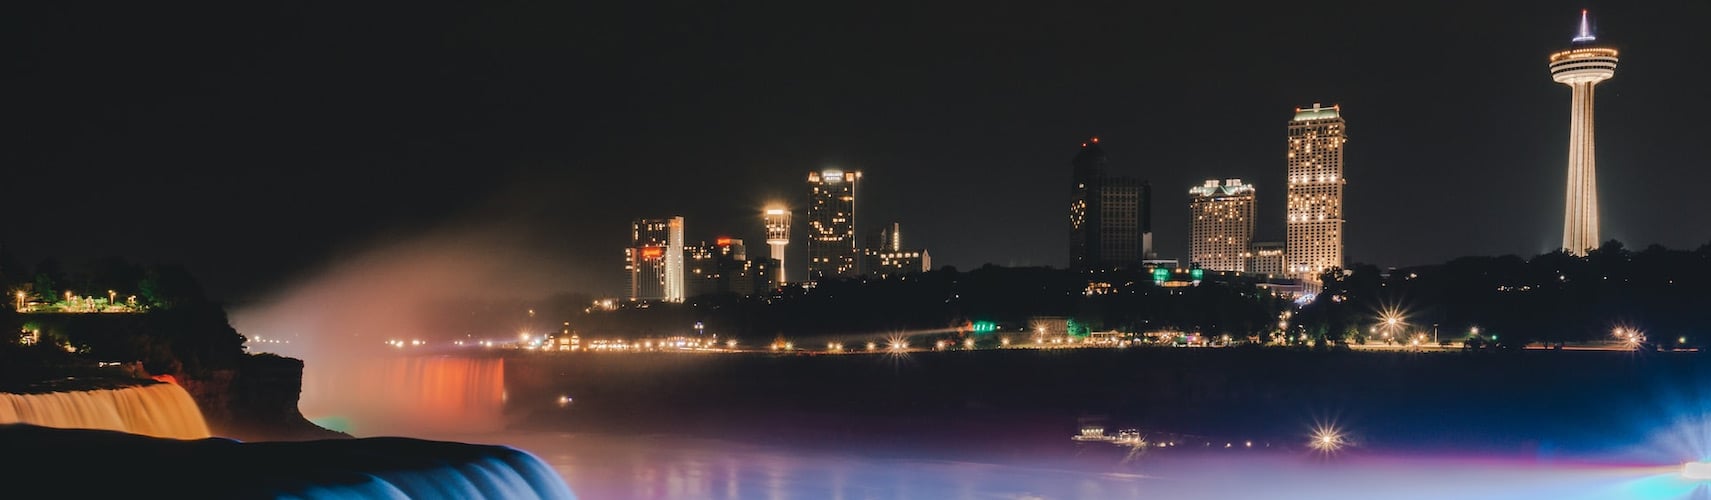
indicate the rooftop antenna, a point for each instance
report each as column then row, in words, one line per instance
column 1585, row 29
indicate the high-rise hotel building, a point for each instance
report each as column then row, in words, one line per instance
column 654, row 260
column 1582, row 67
column 1222, row 228
column 831, row 223
column 1315, row 205
column 1110, row 217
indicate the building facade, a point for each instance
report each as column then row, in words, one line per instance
column 1266, row 258
column 886, row 256
column 1315, row 202
column 1222, row 225
column 1110, row 217
column 724, row 268
column 831, row 223
column 655, row 260
column 1581, row 68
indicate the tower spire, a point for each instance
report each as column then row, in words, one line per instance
column 1585, row 34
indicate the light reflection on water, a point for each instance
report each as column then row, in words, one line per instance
column 611, row 467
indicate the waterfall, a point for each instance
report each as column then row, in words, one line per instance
column 406, row 394
column 159, row 410
column 60, row 462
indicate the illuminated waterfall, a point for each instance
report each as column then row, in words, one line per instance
column 58, row 463
column 400, row 394
column 160, row 410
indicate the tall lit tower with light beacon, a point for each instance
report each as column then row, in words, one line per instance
column 778, row 235
column 1581, row 67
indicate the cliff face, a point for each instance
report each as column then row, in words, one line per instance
column 256, row 401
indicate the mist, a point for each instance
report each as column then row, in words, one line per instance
column 372, row 330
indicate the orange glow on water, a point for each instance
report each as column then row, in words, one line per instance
column 409, row 394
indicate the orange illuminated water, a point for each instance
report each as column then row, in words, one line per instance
column 398, row 394
column 159, row 410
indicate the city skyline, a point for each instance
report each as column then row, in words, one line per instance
column 476, row 131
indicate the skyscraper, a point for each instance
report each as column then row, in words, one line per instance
column 1222, row 228
column 1315, row 206
column 777, row 221
column 654, row 259
column 831, row 223
column 1110, row 217
column 1581, row 67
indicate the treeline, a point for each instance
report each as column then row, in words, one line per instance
column 1554, row 297
column 946, row 299
column 179, row 330
column 49, row 280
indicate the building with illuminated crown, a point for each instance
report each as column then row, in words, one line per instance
column 1314, row 225
column 654, row 260
column 777, row 220
column 1110, row 217
column 1582, row 67
column 1222, row 225
column 831, row 223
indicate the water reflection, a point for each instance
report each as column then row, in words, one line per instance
column 610, row 467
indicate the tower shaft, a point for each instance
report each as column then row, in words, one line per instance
column 1580, row 215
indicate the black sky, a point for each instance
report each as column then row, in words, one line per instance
column 255, row 141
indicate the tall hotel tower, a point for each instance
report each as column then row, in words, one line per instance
column 778, row 235
column 1581, row 67
column 1315, row 225
column 1223, row 225
column 1110, row 217
column 831, row 223
column 654, row 259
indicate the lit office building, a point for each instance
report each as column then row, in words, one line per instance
column 1222, row 228
column 831, row 223
column 654, row 259
column 1315, row 204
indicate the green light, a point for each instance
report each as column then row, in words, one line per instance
column 984, row 327
column 1160, row 274
column 1196, row 273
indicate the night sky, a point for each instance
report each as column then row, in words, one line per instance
column 255, row 142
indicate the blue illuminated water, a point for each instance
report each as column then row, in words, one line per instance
column 614, row 467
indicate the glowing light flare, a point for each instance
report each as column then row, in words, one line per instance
column 1327, row 439
column 1696, row 470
